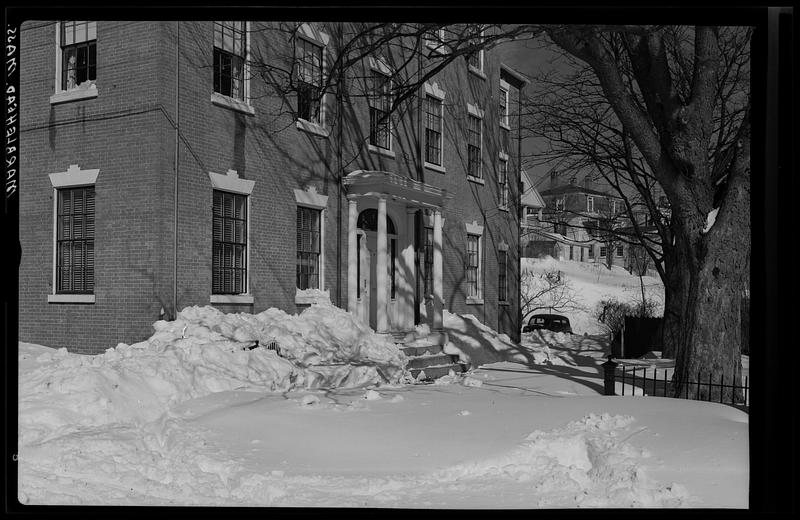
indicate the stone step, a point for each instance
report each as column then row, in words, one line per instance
column 421, row 350
column 435, row 372
column 432, row 360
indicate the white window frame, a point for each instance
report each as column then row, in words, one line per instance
column 311, row 34
column 559, row 204
column 476, row 230
column 380, row 66
column 505, row 88
column 231, row 182
column 475, row 111
column 64, row 96
column 479, row 71
column 74, row 177
column 433, row 90
column 614, row 203
column 244, row 106
column 505, row 187
column 619, row 252
column 436, row 46
column 603, row 251
column 590, row 204
column 309, row 198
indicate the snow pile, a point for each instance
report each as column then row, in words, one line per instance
column 587, row 463
column 200, row 353
column 473, row 342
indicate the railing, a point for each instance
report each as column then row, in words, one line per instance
column 653, row 385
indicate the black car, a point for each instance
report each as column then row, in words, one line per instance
column 554, row 322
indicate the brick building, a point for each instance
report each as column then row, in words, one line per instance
column 277, row 190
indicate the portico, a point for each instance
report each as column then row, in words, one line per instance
column 382, row 246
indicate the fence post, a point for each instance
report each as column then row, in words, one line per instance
column 609, row 369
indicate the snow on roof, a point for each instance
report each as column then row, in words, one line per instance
column 530, row 195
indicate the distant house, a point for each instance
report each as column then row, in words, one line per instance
column 576, row 223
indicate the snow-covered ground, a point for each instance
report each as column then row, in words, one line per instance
column 188, row 417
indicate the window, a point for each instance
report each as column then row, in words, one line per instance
column 428, row 262
column 503, row 106
column 229, row 243
column 620, row 251
column 308, row 247
column 75, row 240
column 78, row 54
column 434, row 39
column 559, row 204
column 433, row 130
column 474, row 140
column 505, row 140
column 602, row 251
column 502, row 276
column 589, row 204
column 502, row 182
column 614, row 207
column 475, row 59
column 229, row 58
column 380, row 126
column 570, row 253
column 473, row 266
column 591, row 251
column 309, row 81
column 560, row 228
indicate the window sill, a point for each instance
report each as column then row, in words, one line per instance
column 435, row 167
column 308, row 299
column 504, row 303
column 476, row 180
column 73, row 95
column 477, row 72
column 505, row 126
column 474, row 301
column 381, row 151
column 70, row 298
column 234, row 299
column 312, row 128
column 233, row 104
column 436, row 48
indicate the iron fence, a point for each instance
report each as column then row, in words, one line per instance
column 702, row 388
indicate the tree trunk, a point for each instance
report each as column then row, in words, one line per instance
column 704, row 325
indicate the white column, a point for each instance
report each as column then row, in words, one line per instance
column 438, row 292
column 409, row 278
column 352, row 257
column 381, row 271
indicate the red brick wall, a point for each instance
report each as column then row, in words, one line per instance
column 120, row 133
column 127, row 134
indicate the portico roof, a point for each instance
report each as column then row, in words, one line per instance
column 376, row 183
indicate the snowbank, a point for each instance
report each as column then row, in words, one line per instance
column 201, row 352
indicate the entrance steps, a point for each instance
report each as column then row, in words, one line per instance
column 429, row 359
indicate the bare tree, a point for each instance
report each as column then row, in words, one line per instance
column 546, row 290
column 667, row 108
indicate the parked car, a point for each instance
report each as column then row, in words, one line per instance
column 554, row 322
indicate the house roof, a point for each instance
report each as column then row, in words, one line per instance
column 574, row 188
column 530, row 196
